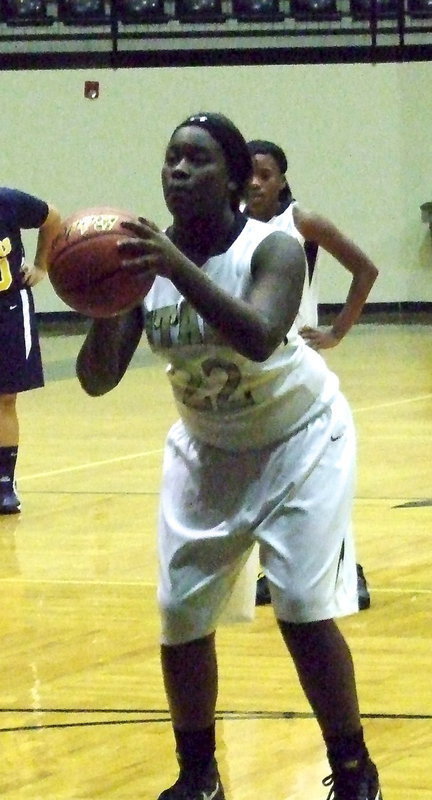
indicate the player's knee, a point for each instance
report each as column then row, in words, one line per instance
column 181, row 623
column 299, row 606
column 7, row 402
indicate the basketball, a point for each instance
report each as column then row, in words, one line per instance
column 85, row 265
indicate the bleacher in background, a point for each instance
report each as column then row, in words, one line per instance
column 41, row 33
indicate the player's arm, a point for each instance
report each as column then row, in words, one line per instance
column 107, row 351
column 253, row 325
column 278, row 269
column 48, row 230
column 364, row 273
column 256, row 323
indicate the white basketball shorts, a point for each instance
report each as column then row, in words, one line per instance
column 294, row 498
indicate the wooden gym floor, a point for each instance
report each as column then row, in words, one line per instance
column 83, row 712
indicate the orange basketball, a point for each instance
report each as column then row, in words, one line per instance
column 84, row 264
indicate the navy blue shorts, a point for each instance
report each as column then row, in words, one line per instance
column 20, row 355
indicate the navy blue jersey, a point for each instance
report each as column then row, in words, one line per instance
column 18, row 210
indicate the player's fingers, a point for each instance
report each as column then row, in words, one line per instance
column 132, row 246
column 311, row 335
column 141, row 228
column 149, row 223
column 142, row 264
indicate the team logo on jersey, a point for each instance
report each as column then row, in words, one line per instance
column 174, row 325
column 5, row 271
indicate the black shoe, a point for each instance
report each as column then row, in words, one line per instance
column 361, row 783
column 364, row 600
column 262, row 597
column 193, row 786
column 263, row 593
column 9, row 502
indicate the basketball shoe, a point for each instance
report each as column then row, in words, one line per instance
column 262, row 597
column 263, row 592
column 360, row 783
column 364, row 600
column 9, row 500
column 196, row 786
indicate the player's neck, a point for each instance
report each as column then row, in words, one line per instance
column 263, row 214
column 202, row 238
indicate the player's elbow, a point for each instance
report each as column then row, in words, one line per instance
column 95, row 388
column 261, row 347
column 95, row 382
column 257, row 355
column 53, row 220
column 262, row 352
column 92, row 387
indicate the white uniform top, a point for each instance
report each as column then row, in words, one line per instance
column 308, row 311
column 225, row 399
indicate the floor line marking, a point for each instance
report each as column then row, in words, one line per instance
column 69, row 582
column 146, row 583
column 392, row 403
column 146, row 453
column 90, row 465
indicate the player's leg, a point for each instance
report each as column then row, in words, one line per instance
column 9, row 435
column 20, row 370
column 203, row 543
column 326, row 672
column 190, row 678
column 313, row 578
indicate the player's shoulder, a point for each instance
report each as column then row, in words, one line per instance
column 16, row 198
column 280, row 248
column 305, row 216
column 7, row 195
column 8, row 204
column 265, row 235
column 10, row 193
column 308, row 222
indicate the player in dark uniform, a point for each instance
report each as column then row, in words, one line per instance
column 20, row 357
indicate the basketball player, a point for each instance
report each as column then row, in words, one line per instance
column 20, row 357
column 264, row 451
column 269, row 199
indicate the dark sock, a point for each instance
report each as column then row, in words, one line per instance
column 8, row 457
column 347, row 752
column 195, row 749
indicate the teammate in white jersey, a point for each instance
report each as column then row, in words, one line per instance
column 264, row 451
column 269, row 199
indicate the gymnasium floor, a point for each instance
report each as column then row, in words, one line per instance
column 83, row 712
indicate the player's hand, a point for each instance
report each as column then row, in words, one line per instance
column 32, row 274
column 149, row 248
column 319, row 338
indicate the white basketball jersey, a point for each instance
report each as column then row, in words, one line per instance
column 224, row 398
column 308, row 311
